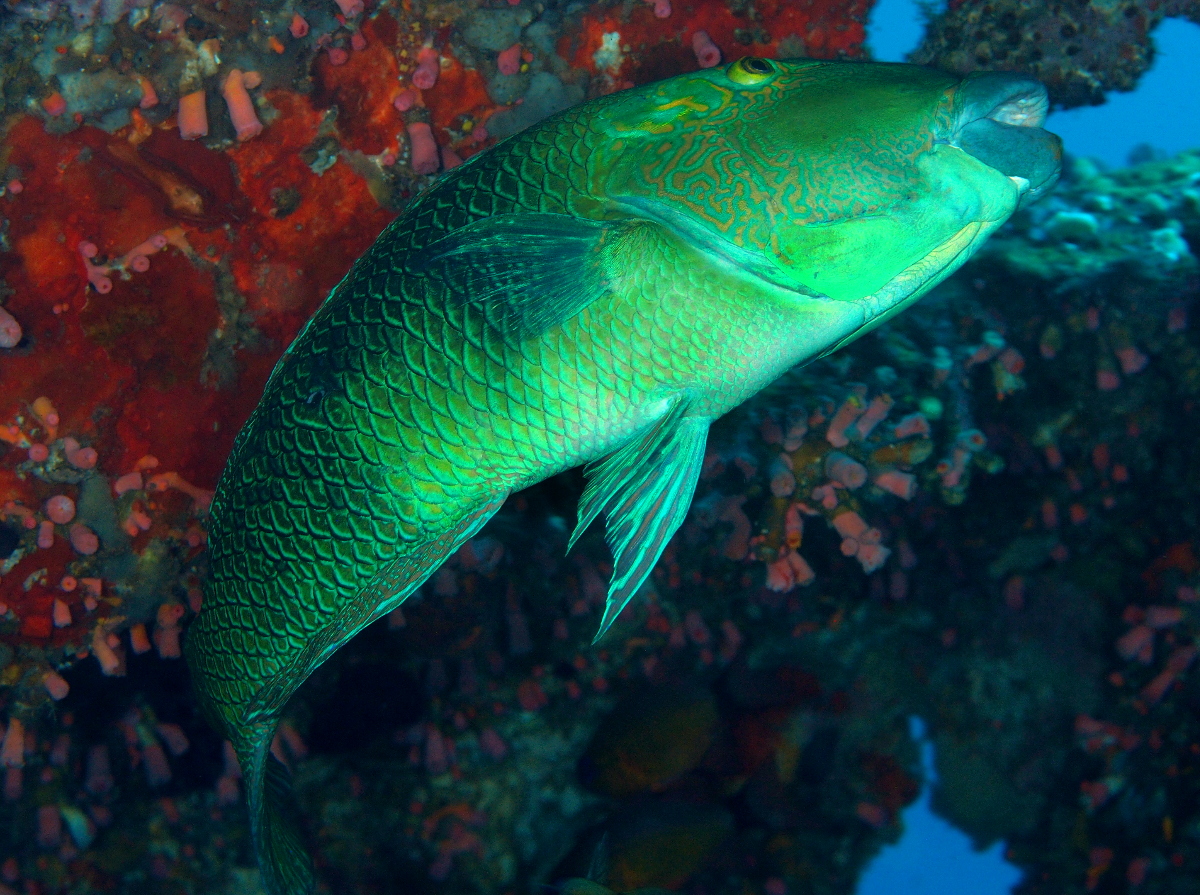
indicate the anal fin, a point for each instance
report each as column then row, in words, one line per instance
column 644, row 489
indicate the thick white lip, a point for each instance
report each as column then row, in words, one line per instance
column 1021, row 182
column 1025, row 109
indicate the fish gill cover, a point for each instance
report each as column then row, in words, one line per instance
column 979, row 513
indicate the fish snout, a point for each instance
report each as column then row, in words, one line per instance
column 1000, row 124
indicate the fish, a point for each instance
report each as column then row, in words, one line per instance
column 596, row 290
column 653, row 737
column 659, row 843
column 597, row 875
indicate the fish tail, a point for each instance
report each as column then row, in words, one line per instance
column 274, row 818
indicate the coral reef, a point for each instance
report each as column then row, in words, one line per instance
column 1080, row 51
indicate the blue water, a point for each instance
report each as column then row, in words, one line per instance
column 932, row 857
column 894, row 29
column 1164, row 111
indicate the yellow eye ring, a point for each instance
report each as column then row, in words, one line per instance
column 750, row 71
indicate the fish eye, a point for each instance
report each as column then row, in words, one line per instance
column 750, row 70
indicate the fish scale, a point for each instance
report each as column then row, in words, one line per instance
column 595, row 289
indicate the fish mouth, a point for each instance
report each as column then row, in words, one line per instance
column 999, row 120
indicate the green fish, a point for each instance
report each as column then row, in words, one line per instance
column 598, row 874
column 596, row 289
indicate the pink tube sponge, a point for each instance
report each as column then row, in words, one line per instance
column 54, row 104
column 708, row 54
column 509, row 61
column 913, row 424
column 406, row 100
column 850, row 525
column 149, row 96
column 138, row 258
column 193, row 116
column 83, row 539
column 847, row 414
column 424, row 148
column 902, row 484
column 60, row 509
column 428, row 68
column 875, row 412
column 350, row 8
column 241, row 107
column 12, row 750
column 10, row 330
column 844, row 470
column 77, row 456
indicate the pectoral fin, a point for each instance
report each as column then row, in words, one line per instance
column 644, row 489
column 527, row 272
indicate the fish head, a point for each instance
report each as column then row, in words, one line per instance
column 863, row 183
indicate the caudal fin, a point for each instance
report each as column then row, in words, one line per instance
column 274, row 822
